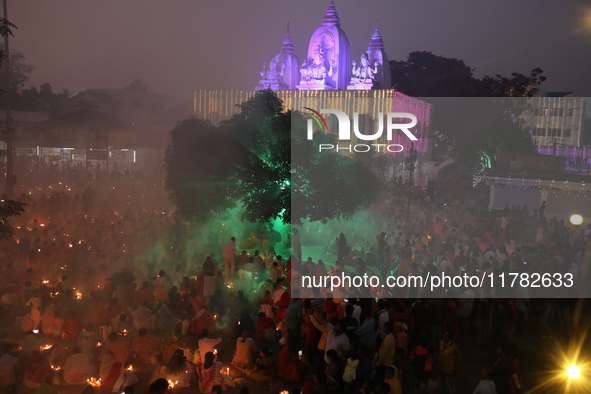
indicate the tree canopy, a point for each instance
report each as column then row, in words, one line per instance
column 9, row 208
column 470, row 131
column 247, row 161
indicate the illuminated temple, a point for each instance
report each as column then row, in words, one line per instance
column 329, row 75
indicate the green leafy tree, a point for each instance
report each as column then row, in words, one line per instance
column 9, row 208
column 247, row 161
column 470, row 131
column 20, row 71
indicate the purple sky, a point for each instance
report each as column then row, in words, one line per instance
column 182, row 45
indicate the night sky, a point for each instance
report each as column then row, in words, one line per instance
column 179, row 46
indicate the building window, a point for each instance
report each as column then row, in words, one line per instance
column 543, row 112
column 567, row 132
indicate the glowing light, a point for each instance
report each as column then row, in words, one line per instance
column 171, row 384
column 94, row 382
column 573, row 372
column 576, row 219
column 45, row 347
column 215, row 351
column 130, row 368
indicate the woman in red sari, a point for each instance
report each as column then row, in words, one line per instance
column 282, row 304
column 72, row 326
column 210, row 374
column 38, row 371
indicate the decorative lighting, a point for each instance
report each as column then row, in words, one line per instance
column 576, row 219
column 573, row 372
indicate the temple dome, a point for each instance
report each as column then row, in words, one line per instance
column 376, row 53
column 329, row 44
column 283, row 71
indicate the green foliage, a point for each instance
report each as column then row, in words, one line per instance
column 470, row 131
column 247, row 162
column 42, row 100
column 9, row 208
column 201, row 167
column 19, row 71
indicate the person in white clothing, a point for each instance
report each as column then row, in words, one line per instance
column 486, row 385
column 229, row 253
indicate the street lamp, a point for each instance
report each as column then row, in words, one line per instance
column 576, row 219
column 573, row 372
column 411, row 160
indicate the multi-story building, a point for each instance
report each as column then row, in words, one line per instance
column 556, row 119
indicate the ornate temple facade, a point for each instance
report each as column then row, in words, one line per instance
column 328, row 64
column 330, row 77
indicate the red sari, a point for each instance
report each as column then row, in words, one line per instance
column 209, row 377
column 38, row 371
column 144, row 348
column 282, row 304
column 289, row 366
column 72, row 328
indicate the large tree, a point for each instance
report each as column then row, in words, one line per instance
column 247, row 161
column 8, row 208
column 468, row 130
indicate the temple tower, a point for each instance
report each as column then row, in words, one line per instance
column 373, row 69
column 328, row 64
column 283, row 71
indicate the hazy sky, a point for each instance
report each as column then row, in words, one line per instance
column 178, row 46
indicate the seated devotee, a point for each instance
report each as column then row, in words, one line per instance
column 178, row 370
column 88, row 340
column 113, row 310
column 266, row 304
column 245, row 349
column 275, row 272
column 97, row 311
column 159, row 386
column 114, row 378
column 392, row 380
column 210, row 374
column 122, row 323
column 9, row 365
column 72, row 325
column 246, row 323
column 38, row 370
column 289, row 367
column 206, row 344
column 281, row 305
column 143, row 317
column 143, row 347
column 146, row 295
column 165, row 320
column 118, row 346
column 202, row 320
column 264, row 367
column 266, row 328
column 78, row 367
column 250, row 266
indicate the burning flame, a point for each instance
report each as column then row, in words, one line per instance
column 171, row 384
column 45, row 347
column 130, row 368
column 94, row 382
